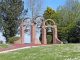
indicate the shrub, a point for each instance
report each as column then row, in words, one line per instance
column 72, row 39
column 49, row 39
column 14, row 38
column 1, row 42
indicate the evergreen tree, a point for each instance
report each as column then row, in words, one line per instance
column 10, row 10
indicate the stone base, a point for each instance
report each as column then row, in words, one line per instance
column 58, row 41
column 36, row 41
column 18, row 41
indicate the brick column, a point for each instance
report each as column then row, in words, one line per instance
column 22, row 33
column 33, row 33
column 44, row 40
column 54, row 34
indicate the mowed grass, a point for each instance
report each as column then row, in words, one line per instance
column 52, row 52
column 3, row 46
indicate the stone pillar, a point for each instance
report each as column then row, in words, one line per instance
column 44, row 40
column 33, row 33
column 54, row 34
column 22, row 33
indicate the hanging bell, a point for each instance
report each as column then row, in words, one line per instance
column 27, row 27
column 38, row 25
column 49, row 30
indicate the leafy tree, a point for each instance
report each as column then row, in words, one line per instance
column 10, row 11
column 70, row 13
column 49, row 13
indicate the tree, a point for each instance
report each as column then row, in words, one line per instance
column 70, row 13
column 35, row 7
column 10, row 10
column 49, row 13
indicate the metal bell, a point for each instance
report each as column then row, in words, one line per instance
column 49, row 30
column 38, row 25
column 27, row 27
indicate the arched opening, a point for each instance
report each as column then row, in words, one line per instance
column 49, row 31
column 38, row 19
column 48, row 37
column 27, row 30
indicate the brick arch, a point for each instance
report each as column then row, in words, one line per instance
column 49, row 20
column 38, row 16
column 55, row 38
column 26, row 18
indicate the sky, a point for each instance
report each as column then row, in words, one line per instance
column 47, row 3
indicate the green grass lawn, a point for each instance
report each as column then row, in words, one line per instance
column 3, row 46
column 52, row 52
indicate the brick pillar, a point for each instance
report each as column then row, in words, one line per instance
column 22, row 33
column 44, row 40
column 33, row 33
column 54, row 34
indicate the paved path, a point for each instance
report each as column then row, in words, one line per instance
column 22, row 46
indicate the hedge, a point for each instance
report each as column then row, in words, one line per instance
column 49, row 39
column 14, row 38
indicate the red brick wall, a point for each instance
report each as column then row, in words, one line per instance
column 33, row 32
column 58, row 41
column 34, row 40
column 55, row 39
column 44, row 40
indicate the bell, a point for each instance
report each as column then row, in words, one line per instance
column 49, row 30
column 38, row 25
column 27, row 27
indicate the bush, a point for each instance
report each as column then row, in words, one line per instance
column 49, row 39
column 72, row 39
column 14, row 38
column 1, row 42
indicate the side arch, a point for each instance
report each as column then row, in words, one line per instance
column 26, row 18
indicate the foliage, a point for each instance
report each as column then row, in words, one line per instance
column 14, row 38
column 70, row 15
column 72, row 39
column 49, row 13
column 10, row 11
column 49, row 39
column 67, row 17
